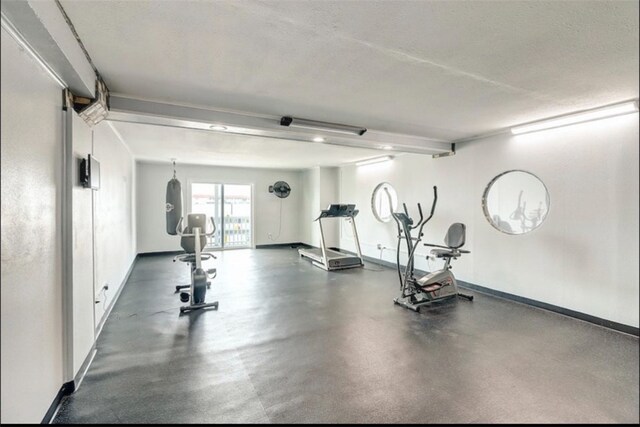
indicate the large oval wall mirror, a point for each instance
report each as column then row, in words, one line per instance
column 516, row 202
column 384, row 201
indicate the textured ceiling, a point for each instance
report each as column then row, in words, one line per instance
column 160, row 143
column 440, row 69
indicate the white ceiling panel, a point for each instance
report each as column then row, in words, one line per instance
column 438, row 69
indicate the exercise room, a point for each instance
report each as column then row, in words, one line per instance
column 275, row 211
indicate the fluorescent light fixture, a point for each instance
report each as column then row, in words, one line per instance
column 316, row 125
column 387, row 147
column 374, row 160
column 584, row 116
column 318, row 139
column 217, row 127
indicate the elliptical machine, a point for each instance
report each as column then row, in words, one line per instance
column 192, row 242
column 435, row 286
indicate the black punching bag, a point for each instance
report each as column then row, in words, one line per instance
column 174, row 205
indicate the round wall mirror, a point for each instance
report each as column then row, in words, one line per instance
column 516, row 202
column 384, row 201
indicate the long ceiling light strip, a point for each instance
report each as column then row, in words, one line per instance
column 584, row 116
column 374, row 160
column 325, row 126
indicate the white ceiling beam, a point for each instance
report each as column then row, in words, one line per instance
column 44, row 30
column 124, row 109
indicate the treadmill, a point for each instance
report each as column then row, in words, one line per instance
column 329, row 259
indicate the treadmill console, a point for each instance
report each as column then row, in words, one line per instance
column 335, row 210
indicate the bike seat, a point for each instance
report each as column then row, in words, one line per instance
column 444, row 253
column 448, row 253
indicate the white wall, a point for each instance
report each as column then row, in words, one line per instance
column 47, row 321
column 585, row 255
column 114, row 215
column 31, row 177
column 151, row 189
column 82, row 240
column 329, row 195
column 320, row 189
column 310, row 234
column 103, row 234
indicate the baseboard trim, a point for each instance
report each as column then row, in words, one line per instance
column 116, row 297
column 377, row 261
column 367, row 258
column 554, row 308
column 84, row 368
column 609, row 324
column 65, row 390
column 282, row 245
column 267, row 246
column 146, row 254
column 71, row 386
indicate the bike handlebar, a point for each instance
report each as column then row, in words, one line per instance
column 181, row 234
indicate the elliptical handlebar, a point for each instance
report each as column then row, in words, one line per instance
column 433, row 206
column 422, row 221
column 406, row 212
column 421, row 216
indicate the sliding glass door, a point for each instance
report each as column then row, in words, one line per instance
column 207, row 199
column 230, row 207
column 237, row 216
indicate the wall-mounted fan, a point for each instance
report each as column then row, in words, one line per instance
column 280, row 189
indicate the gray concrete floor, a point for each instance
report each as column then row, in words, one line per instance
column 293, row 343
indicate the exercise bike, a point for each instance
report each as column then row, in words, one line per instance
column 438, row 285
column 193, row 239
